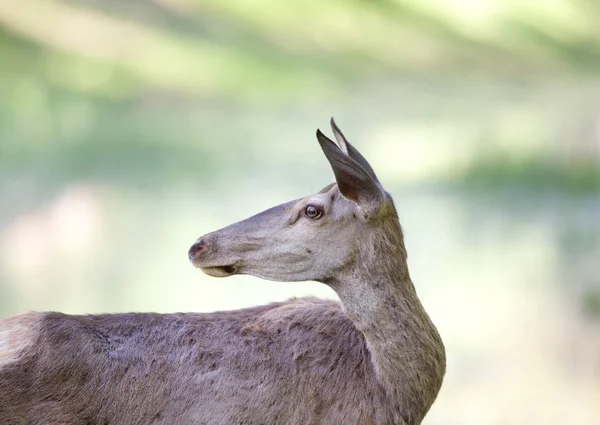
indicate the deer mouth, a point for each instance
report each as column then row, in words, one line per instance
column 219, row 271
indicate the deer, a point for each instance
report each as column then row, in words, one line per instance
column 373, row 357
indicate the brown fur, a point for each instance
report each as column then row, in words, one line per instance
column 167, row 369
column 374, row 359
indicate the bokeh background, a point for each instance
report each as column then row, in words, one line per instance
column 130, row 128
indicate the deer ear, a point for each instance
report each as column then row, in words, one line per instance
column 351, row 150
column 354, row 182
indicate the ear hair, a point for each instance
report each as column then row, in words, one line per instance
column 351, row 150
column 354, row 182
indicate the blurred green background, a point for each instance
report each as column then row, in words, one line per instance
column 130, row 128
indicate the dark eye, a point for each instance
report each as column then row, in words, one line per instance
column 312, row 212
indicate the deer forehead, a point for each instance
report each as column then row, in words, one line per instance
column 17, row 333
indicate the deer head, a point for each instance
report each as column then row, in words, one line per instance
column 312, row 238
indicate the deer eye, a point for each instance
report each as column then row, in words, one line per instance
column 312, row 212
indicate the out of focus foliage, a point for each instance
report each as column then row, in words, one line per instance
column 78, row 71
column 128, row 128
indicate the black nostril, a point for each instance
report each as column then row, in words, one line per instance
column 196, row 249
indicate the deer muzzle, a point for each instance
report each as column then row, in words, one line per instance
column 203, row 255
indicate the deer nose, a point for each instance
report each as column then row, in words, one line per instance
column 196, row 249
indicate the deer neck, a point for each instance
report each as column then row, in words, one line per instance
column 406, row 350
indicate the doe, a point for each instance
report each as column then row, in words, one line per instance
column 373, row 358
